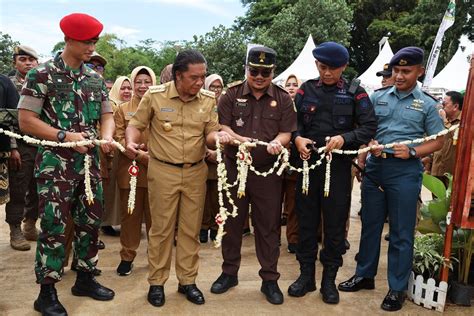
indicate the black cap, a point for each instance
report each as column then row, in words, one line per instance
column 408, row 56
column 262, row 57
column 387, row 71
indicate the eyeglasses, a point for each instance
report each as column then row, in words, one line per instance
column 212, row 87
column 95, row 67
column 265, row 73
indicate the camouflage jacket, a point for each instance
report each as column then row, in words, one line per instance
column 17, row 81
column 70, row 100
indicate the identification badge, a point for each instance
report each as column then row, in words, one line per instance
column 240, row 122
column 241, row 102
column 166, row 110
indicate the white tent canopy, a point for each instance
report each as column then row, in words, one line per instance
column 454, row 74
column 369, row 78
column 303, row 67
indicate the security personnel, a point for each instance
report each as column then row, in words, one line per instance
column 328, row 106
column 23, row 203
column 387, row 77
column 182, row 120
column 256, row 109
column 404, row 112
column 64, row 101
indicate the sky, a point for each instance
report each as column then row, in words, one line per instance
column 35, row 23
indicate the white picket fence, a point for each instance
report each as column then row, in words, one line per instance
column 423, row 293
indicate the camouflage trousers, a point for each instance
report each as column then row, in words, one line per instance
column 58, row 200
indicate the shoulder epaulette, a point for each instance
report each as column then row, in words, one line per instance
column 235, row 83
column 355, row 83
column 156, row 89
column 431, row 96
column 208, row 93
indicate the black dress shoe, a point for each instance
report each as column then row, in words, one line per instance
column 223, row 283
column 291, row 248
column 272, row 292
column 48, row 303
column 387, row 237
column 86, row 285
column 156, row 295
column 347, row 244
column 109, row 230
column 356, row 283
column 193, row 294
column 203, row 236
column 100, row 245
column 393, row 301
column 213, row 234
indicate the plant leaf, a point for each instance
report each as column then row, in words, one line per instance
column 438, row 209
column 426, row 226
column 435, row 185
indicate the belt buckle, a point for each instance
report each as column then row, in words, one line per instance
column 384, row 155
column 187, row 165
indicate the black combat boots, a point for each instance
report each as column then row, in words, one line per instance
column 48, row 303
column 328, row 285
column 87, row 285
column 305, row 282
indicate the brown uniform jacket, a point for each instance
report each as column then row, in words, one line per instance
column 445, row 158
column 262, row 119
column 122, row 117
column 177, row 129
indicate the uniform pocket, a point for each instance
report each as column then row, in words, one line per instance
column 342, row 116
column 413, row 115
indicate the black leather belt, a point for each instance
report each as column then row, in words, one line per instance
column 385, row 155
column 181, row 165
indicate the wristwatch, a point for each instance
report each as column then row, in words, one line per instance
column 61, row 135
column 412, row 152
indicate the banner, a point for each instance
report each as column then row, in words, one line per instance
column 446, row 23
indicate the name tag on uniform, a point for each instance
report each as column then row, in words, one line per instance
column 382, row 103
column 129, row 115
column 166, row 110
column 241, row 102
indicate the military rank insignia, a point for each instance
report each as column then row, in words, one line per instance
column 239, row 122
column 417, row 105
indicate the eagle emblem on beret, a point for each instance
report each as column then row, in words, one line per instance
column 402, row 62
column 262, row 57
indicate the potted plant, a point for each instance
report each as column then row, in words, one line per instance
column 434, row 216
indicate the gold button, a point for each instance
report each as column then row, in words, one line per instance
column 167, row 126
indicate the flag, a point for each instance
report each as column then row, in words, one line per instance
column 446, row 23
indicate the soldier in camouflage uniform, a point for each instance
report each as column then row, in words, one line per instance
column 63, row 100
column 23, row 203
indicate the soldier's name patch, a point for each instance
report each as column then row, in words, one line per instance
column 382, row 103
column 411, row 107
column 166, row 110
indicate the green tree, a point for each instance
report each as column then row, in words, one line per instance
column 224, row 49
column 325, row 20
column 6, row 52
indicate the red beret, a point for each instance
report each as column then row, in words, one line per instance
column 80, row 26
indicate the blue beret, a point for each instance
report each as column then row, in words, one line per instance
column 332, row 54
column 408, row 56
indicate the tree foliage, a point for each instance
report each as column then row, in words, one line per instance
column 325, row 20
column 6, row 52
column 224, row 49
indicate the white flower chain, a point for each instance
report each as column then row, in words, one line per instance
column 133, row 171
column 87, row 179
column 327, row 178
column 87, row 158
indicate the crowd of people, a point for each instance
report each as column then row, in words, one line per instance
column 169, row 129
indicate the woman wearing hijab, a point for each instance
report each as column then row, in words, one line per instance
column 131, row 224
column 291, row 85
column 215, row 84
column 121, row 92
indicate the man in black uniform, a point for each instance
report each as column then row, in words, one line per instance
column 327, row 107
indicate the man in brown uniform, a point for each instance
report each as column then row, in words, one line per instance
column 182, row 120
column 443, row 160
column 256, row 109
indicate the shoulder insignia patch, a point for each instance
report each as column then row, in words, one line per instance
column 235, row 83
column 155, row 89
column 208, row 93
